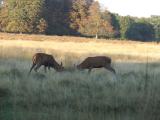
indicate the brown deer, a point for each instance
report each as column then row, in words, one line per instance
column 96, row 62
column 40, row 59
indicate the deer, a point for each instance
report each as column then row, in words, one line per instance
column 46, row 60
column 96, row 62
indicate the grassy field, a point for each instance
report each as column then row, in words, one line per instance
column 76, row 95
column 60, row 46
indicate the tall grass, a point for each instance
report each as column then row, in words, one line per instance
column 77, row 94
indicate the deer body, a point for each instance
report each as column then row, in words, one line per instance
column 46, row 60
column 96, row 62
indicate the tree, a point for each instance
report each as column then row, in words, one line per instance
column 56, row 13
column 116, row 25
column 42, row 26
column 3, row 16
column 22, row 15
column 155, row 21
column 125, row 23
column 98, row 23
column 79, row 14
column 140, row 31
column 95, row 18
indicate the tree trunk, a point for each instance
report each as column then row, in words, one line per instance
column 96, row 36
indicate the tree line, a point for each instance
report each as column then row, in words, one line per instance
column 74, row 17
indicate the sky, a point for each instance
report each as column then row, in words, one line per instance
column 138, row 8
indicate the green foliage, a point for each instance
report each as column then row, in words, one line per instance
column 155, row 21
column 56, row 14
column 116, row 25
column 125, row 23
column 140, row 31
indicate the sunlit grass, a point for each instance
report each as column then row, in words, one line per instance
column 27, row 45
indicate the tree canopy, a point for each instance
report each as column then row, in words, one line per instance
column 74, row 17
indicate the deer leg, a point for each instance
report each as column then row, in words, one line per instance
column 45, row 70
column 90, row 69
column 108, row 67
column 32, row 68
column 48, row 67
column 37, row 67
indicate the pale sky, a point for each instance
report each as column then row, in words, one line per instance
column 139, row 8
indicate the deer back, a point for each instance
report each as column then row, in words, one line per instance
column 97, row 61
